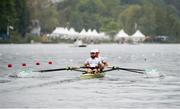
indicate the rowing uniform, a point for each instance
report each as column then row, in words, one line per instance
column 93, row 62
column 94, row 65
column 102, row 59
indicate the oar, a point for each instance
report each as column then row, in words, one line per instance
column 114, row 67
column 51, row 70
column 59, row 69
column 140, row 71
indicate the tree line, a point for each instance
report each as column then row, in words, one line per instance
column 152, row 17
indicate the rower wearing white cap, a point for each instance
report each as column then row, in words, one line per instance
column 102, row 60
column 93, row 64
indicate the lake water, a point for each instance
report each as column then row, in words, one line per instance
column 64, row 89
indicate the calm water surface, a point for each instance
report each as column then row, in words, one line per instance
column 119, row 89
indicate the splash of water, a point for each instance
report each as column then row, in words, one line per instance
column 4, row 80
column 23, row 73
column 153, row 73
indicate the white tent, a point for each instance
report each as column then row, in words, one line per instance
column 72, row 33
column 104, row 36
column 138, row 36
column 59, row 32
column 82, row 34
column 87, row 36
column 121, row 36
column 64, row 33
column 95, row 35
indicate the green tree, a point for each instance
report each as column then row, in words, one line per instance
column 147, row 21
column 129, row 17
column 45, row 13
column 23, row 20
column 49, row 19
column 8, row 15
column 111, row 27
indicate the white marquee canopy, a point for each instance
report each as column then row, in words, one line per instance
column 121, row 34
column 64, row 33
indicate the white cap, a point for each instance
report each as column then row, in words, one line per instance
column 92, row 51
column 96, row 50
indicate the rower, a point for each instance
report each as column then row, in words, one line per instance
column 93, row 64
column 101, row 59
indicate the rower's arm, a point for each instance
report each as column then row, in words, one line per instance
column 105, row 63
column 87, row 65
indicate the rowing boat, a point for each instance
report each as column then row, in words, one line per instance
column 91, row 76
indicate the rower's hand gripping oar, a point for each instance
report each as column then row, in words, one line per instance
column 59, row 69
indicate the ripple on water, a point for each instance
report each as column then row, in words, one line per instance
column 2, row 80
